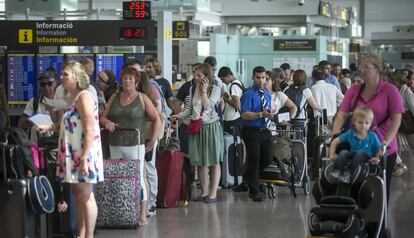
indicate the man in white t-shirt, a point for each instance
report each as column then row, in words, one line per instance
column 231, row 117
column 327, row 95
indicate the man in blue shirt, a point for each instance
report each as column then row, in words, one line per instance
column 255, row 109
column 326, row 68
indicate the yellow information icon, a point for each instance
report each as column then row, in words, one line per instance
column 25, row 36
column 180, row 26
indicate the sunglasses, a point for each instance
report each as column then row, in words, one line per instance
column 43, row 84
column 102, row 80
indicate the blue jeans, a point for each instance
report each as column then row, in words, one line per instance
column 356, row 159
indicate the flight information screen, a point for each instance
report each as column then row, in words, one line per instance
column 20, row 78
column 111, row 62
column 45, row 61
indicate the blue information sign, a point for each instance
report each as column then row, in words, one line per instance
column 45, row 61
column 21, row 78
column 111, row 62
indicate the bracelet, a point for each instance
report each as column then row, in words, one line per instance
column 260, row 115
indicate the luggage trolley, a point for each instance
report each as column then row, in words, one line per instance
column 297, row 170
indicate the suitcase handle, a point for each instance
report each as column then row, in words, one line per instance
column 169, row 128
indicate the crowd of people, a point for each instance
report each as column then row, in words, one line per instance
column 207, row 106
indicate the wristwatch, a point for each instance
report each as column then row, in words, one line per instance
column 260, row 115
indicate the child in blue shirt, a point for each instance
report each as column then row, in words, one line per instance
column 364, row 145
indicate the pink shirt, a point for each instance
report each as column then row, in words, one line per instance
column 384, row 103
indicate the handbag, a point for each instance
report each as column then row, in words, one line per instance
column 407, row 123
column 194, row 126
column 38, row 156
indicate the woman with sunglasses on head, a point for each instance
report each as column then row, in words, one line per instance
column 384, row 100
column 107, row 83
column 128, row 109
column 279, row 99
column 80, row 161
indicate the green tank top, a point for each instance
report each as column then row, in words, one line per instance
column 131, row 116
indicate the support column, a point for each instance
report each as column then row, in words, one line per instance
column 164, row 47
column 310, row 29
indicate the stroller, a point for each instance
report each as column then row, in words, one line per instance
column 289, row 167
column 358, row 209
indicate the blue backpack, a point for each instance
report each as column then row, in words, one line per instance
column 163, row 109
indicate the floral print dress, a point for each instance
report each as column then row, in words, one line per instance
column 71, row 140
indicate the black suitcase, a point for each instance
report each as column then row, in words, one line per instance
column 58, row 224
column 17, row 220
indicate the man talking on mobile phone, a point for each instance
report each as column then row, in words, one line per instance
column 255, row 103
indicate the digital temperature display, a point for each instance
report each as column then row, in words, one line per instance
column 133, row 33
column 136, row 10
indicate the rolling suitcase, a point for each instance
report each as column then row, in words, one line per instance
column 233, row 161
column 16, row 218
column 171, row 179
column 118, row 196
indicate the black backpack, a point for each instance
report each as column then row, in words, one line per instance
column 21, row 157
column 295, row 94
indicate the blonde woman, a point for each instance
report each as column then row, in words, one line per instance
column 80, row 156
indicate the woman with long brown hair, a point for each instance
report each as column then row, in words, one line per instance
column 205, row 148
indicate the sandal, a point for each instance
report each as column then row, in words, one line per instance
column 200, row 198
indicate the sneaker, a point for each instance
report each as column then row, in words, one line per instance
column 241, row 188
column 399, row 169
column 258, row 197
column 152, row 211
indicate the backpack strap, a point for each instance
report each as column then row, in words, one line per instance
column 36, row 102
column 240, row 85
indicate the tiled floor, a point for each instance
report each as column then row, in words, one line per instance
column 236, row 216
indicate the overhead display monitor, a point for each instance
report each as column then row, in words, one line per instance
column 45, row 61
column 32, row 34
column 113, row 62
column 20, row 78
column 136, row 10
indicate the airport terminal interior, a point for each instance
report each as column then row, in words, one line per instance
column 206, row 118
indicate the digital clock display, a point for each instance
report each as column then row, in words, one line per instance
column 136, row 10
column 133, row 33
